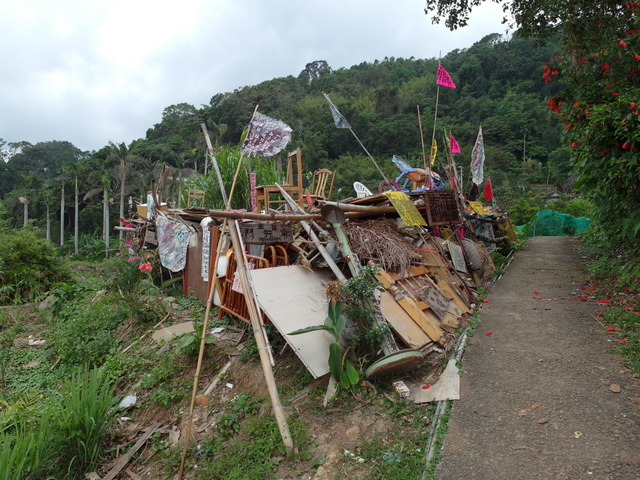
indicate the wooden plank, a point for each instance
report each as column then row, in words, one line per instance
column 124, row 459
column 427, row 322
column 401, row 321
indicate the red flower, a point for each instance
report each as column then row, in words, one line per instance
column 632, row 105
column 622, row 341
column 426, row 386
column 604, row 300
column 637, row 57
column 536, row 292
column 622, row 43
column 485, row 301
column 488, row 333
column 625, row 145
column 627, row 308
column 145, row 267
column 611, row 329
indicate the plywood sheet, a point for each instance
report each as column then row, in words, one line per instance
column 293, row 298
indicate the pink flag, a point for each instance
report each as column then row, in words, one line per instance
column 266, row 137
column 453, row 145
column 443, row 78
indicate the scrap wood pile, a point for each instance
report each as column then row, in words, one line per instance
column 424, row 252
column 428, row 259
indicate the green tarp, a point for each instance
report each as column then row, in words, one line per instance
column 548, row 223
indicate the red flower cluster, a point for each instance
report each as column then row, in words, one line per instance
column 555, row 103
column 548, row 72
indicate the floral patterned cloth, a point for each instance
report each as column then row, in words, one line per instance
column 173, row 241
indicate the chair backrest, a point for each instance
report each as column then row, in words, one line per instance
column 361, row 190
column 322, row 178
column 197, row 195
column 294, row 173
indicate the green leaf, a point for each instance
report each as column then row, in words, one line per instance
column 313, row 328
column 352, row 373
column 335, row 360
column 344, row 380
column 184, row 341
column 171, row 281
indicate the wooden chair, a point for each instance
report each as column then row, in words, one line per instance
column 322, row 178
column 293, row 185
column 197, row 195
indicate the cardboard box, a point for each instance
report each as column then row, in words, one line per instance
column 141, row 209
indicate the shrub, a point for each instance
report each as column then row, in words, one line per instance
column 83, row 330
column 29, row 266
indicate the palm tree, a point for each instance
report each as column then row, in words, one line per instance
column 122, row 154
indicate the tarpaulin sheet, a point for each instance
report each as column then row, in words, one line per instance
column 548, row 223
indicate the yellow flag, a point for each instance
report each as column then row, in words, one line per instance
column 434, row 150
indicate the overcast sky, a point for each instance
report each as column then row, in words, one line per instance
column 92, row 72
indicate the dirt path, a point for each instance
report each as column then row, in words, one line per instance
column 536, row 398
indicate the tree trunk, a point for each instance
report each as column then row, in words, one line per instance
column 105, row 220
column 121, row 193
column 48, row 224
column 75, row 222
column 62, row 216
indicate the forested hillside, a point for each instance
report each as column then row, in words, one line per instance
column 499, row 86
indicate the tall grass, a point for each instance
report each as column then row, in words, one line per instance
column 85, row 413
column 63, row 439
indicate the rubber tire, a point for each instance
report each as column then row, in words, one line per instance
column 388, row 185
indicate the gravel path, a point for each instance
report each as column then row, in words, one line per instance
column 538, row 394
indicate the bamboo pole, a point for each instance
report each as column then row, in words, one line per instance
column 214, row 161
column 352, row 212
column 424, row 152
column 212, row 286
column 254, row 315
column 367, row 152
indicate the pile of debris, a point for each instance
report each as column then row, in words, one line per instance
column 428, row 249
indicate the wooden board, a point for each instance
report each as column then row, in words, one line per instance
column 457, row 257
column 293, row 298
column 401, row 321
column 426, row 320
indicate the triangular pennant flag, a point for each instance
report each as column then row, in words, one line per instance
column 338, row 119
column 477, row 159
column 453, row 145
column 444, row 78
column 266, row 137
column 488, row 191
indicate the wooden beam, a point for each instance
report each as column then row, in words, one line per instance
column 124, row 459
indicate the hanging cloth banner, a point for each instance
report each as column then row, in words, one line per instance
column 266, row 137
column 338, row 118
column 434, row 151
column 444, row 78
column 173, row 241
column 453, row 145
column 488, row 191
column 406, row 209
column 477, row 160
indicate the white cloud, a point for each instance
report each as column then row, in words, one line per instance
column 91, row 72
